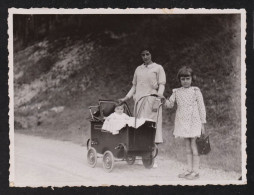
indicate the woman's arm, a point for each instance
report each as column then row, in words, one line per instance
column 161, row 89
column 133, row 88
column 129, row 94
column 161, row 79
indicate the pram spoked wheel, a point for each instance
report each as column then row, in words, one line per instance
column 108, row 161
column 92, row 157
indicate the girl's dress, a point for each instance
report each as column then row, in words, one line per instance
column 190, row 113
column 146, row 81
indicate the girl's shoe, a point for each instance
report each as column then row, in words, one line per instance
column 192, row 176
column 184, row 174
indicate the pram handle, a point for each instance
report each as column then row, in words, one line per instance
column 137, row 113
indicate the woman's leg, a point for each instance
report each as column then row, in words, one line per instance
column 188, row 153
column 195, row 155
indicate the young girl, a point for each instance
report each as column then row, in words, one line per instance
column 116, row 121
column 189, row 120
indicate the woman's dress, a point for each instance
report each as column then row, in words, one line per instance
column 146, row 81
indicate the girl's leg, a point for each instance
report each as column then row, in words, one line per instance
column 188, row 154
column 195, row 163
column 195, row 155
column 189, row 159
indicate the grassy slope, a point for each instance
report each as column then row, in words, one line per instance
column 76, row 73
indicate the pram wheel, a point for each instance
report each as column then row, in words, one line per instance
column 130, row 160
column 148, row 161
column 108, row 161
column 88, row 144
column 92, row 157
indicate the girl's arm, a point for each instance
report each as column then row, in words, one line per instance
column 201, row 106
column 171, row 101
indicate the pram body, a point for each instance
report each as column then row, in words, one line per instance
column 127, row 145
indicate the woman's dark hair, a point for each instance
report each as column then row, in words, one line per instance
column 186, row 71
column 146, row 49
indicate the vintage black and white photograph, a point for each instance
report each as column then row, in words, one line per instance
column 102, row 97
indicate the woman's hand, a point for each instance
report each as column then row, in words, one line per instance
column 123, row 100
column 203, row 129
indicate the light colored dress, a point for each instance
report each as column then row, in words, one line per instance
column 190, row 113
column 115, row 122
column 146, row 81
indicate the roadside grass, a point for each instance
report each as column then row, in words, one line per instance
column 225, row 150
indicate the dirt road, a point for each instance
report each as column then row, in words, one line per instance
column 44, row 162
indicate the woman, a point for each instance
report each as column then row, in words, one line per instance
column 149, row 78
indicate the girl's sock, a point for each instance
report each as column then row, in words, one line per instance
column 189, row 162
column 196, row 163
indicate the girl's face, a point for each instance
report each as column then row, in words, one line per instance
column 119, row 109
column 186, row 81
column 146, row 57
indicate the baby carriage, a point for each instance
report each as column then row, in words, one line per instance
column 125, row 146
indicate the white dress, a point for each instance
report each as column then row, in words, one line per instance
column 115, row 122
column 190, row 113
column 146, row 81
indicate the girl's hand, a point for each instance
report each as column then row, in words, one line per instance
column 163, row 100
column 203, row 129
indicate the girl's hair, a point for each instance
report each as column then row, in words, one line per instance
column 186, row 71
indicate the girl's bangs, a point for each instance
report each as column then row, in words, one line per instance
column 185, row 74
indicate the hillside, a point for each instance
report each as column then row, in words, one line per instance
column 56, row 77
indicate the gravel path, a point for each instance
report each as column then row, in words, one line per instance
column 44, row 162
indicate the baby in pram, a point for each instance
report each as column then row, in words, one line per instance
column 118, row 120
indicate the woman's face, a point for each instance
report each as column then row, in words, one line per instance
column 186, row 81
column 146, row 56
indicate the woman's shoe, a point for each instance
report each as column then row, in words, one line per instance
column 155, row 165
column 192, row 176
column 184, row 174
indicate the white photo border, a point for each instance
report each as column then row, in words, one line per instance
column 242, row 12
